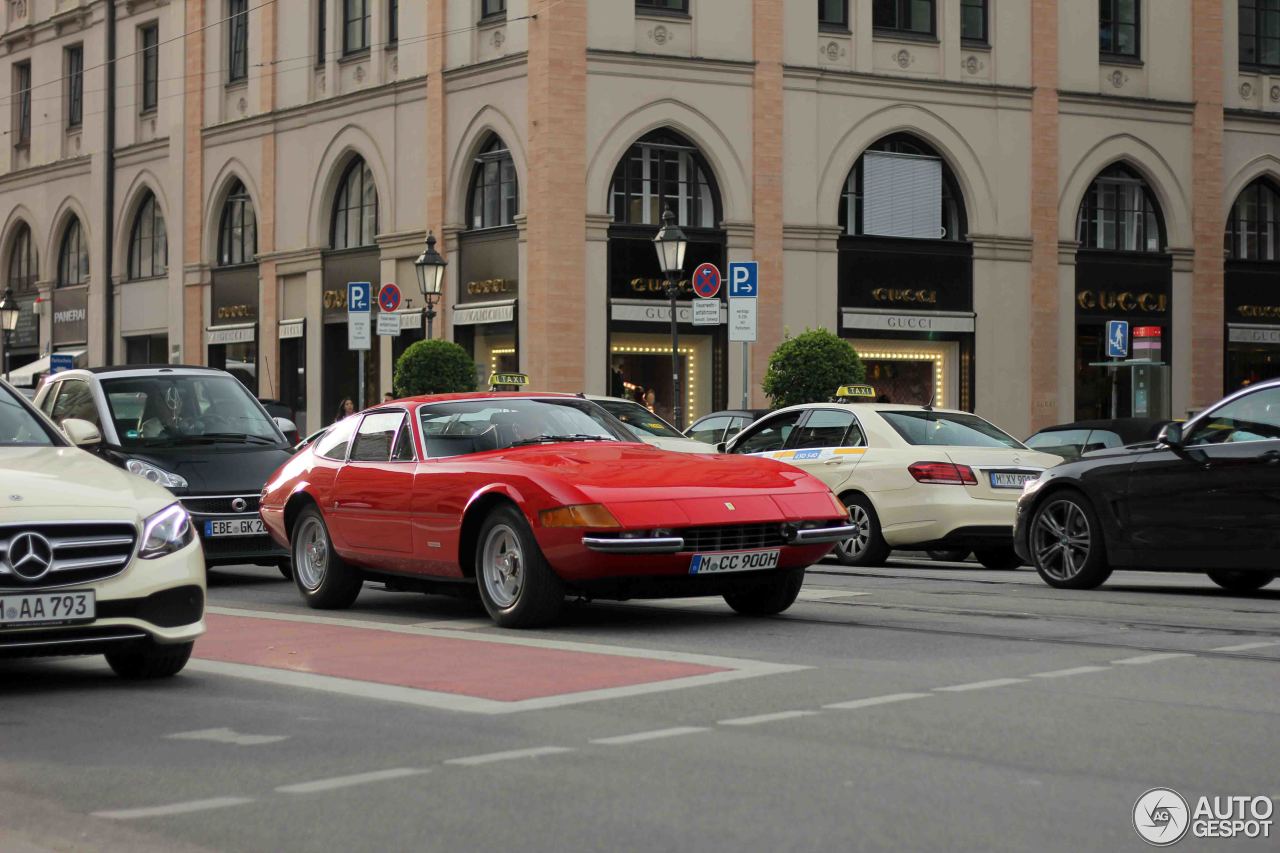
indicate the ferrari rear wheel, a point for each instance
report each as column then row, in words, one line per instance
column 517, row 585
column 1237, row 581
column 326, row 581
column 769, row 597
column 866, row 547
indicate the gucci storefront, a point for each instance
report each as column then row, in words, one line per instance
column 640, row 327
column 1128, row 286
column 906, row 306
column 1253, row 323
column 484, row 317
column 232, row 335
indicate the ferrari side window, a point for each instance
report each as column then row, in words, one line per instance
column 333, row 444
column 403, row 451
column 373, row 439
column 770, row 435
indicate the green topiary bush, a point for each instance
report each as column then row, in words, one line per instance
column 433, row 367
column 810, row 367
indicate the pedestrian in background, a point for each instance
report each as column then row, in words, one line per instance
column 345, row 409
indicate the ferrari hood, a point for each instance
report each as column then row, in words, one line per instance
column 74, row 482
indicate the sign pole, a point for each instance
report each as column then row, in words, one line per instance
column 746, row 375
column 360, row 381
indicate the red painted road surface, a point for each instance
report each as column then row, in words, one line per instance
column 497, row 671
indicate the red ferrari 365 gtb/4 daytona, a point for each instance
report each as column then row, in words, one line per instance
column 535, row 497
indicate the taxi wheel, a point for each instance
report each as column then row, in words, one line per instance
column 1067, row 545
column 326, row 581
column 999, row 559
column 517, row 586
column 769, row 597
column 866, row 547
column 1241, row 581
column 149, row 660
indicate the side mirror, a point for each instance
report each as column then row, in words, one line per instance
column 81, row 433
column 1171, row 436
column 286, row 426
column 722, row 447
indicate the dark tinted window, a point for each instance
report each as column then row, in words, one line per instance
column 910, row 16
column 403, row 451
column 1118, row 27
column 376, row 435
column 333, row 444
column 769, row 435
column 824, row 428
column 947, row 429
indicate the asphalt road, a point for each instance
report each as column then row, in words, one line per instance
column 921, row 706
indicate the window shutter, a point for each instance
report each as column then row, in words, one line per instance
column 902, row 195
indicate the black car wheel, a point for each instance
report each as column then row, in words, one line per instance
column 149, row 659
column 866, row 547
column 999, row 559
column 949, row 556
column 517, row 585
column 1066, row 543
column 326, row 581
column 285, row 566
column 769, row 597
column 1241, row 581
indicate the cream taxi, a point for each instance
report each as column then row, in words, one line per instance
column 913, row 477
column 93, row 559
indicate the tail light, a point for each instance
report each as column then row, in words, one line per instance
column 943, row 473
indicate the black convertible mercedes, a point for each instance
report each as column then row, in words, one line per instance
column 1205, row 498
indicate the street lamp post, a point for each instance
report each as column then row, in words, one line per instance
column 430, row 267
column 671, row 244
column 9, row 311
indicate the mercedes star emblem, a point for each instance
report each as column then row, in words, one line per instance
column 30, row 556
column 239, row 504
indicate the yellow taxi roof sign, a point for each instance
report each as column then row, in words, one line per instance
column 518, row 380
column 865, row 392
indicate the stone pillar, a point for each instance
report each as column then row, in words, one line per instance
column 435, row 141
column 1207, row 314
column 766, row 184
column 557, row 196
column 1048, row 403
column 595, row 305
column 196, row 275
column 268, row 281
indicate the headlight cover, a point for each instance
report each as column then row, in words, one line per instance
column 167, row 531
column 159, row 476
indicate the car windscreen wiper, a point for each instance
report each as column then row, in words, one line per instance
column 551, row 439
column 213, row 437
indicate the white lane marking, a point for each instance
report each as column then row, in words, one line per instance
column 470, row 704
column 1244, row 647
column 456, row 624
column 174, row 808
column 877, row 700
column 352, row 780
column 979, row 685
column 230, row 736
column 1141, row 659
column 641, row 737
column 510, row 755
column 1075, row 670
column 766, row 718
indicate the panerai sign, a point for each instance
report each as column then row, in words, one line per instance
column 70, row 316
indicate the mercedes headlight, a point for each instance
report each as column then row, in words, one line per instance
column 167, row 531
column 159, row 476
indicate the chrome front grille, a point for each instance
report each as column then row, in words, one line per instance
column 221, row 504
column 732, row 537
column 40, row 555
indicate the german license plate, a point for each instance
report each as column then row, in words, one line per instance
column 46, row 608
column 733, row 561
column 234, row 527
column 1011, row 479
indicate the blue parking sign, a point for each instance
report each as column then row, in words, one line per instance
column 744, row 280
column 1117, row 339
column 359, row 297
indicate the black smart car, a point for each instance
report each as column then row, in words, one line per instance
column 1203, row 498
column 194, row 430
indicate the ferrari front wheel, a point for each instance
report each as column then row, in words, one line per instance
column 770, row 597
column 517, row 586
column 325, row 580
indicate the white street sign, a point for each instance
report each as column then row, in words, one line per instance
column 389, row 324
column 359, row 331
column 742, row 319
column 706, row 312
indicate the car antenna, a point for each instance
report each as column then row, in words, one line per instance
column 928, row 407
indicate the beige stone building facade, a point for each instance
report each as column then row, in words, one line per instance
column 967, row 190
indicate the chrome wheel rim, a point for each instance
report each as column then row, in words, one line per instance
column 502, row 566
column 1061, row 540
column 311, row 553
column 855, row 545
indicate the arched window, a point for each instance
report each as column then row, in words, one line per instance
column 22, row 261
column 495, row 198
column 238, row 229
column 355, row 207
column 148, row 243
column 1253, row 226
column 73, row 256
column 954, row 224
column 1120, row 213
column 663, row 169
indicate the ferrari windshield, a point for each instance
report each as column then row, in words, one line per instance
column 172, row 409
column 18, row 426
column 638, row 419
column 474, row 426
column 948, row 429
